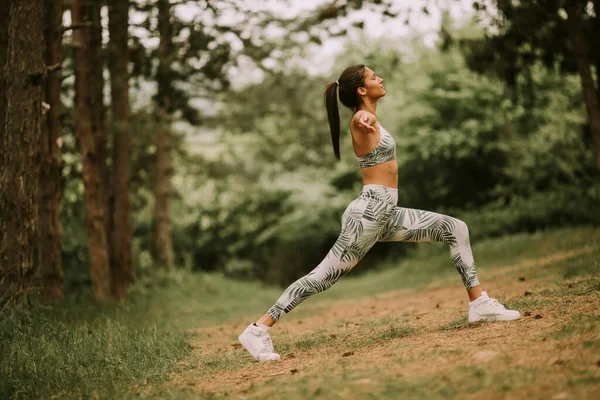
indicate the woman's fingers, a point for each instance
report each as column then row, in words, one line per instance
column 364, row 124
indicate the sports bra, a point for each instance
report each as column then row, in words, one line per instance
column 384, row 151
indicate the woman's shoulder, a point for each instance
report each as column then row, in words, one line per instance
column 360, row 113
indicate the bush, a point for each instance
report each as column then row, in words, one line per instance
column 567, row 207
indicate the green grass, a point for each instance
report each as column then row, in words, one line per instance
column 42, row 357
column 579, row 324
column 587, row 264
column 394, row 332
column 525, row 304
column 459, row 323
column 81, row 350
column 308, row 342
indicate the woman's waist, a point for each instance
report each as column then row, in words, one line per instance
column 385, row 174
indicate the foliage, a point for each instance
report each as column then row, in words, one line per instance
column 465, row 147
column 522, row 34
column 263, row 199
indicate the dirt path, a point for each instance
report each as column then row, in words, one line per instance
column 415, row 344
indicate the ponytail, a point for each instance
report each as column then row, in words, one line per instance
column 333, row 115
column 352, row 78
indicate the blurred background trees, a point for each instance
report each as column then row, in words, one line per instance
column 192, row 134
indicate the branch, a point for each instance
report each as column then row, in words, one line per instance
column 62, row 78
column 77, row 26
column 55, row 67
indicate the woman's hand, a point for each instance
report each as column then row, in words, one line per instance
column 366, row 121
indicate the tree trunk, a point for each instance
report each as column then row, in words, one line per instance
column 50, row 273
column 92, row 10
column 123, row 273
column 596, row 33
column 581, row 50
column 22, row 74
column 163, row 193
column 162, row 247
column 95, row 196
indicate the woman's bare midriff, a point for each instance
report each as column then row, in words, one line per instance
column 385, row 174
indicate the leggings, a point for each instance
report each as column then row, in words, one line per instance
column 374, row 217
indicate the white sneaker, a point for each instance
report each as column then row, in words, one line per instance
column 257, row 341
column 487, row 309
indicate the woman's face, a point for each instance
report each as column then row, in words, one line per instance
column 373, row 85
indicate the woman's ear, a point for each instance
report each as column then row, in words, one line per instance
column 361, row 91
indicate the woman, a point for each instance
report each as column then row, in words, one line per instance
column 374, row 215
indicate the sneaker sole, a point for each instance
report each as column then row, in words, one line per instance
column 494, row 319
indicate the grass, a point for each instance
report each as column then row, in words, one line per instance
column 394, row 332
column 579, row 325
column 308, row 342
column 43, row 357
column 459, row 323
column 80, row 350
column 526, row 304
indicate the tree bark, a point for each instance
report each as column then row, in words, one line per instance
column 92, row 15
column 50, row 273
column 162, row 246
column 22, row 74
column 123, row 273
column 581, row 49
column 95, row 196
column 596, row 33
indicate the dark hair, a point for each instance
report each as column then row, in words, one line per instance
column 351, row 79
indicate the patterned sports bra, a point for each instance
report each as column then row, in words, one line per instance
column 384, row 151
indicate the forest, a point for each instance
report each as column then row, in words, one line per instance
column 156, row 148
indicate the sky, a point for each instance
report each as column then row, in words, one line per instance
column 419, row 24
column 321, row 58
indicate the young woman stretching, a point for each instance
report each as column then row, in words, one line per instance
column 373, row 216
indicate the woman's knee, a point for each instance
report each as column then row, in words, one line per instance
column 454, row 229
column 461, row 229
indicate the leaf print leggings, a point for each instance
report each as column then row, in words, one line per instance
column 375, row 217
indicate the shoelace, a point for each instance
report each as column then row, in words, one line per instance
column 267, row 342
column 494, row 303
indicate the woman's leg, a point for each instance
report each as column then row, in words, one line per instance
column 362, row 225
column 410, row 225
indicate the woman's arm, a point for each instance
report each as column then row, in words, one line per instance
column 364, row 122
